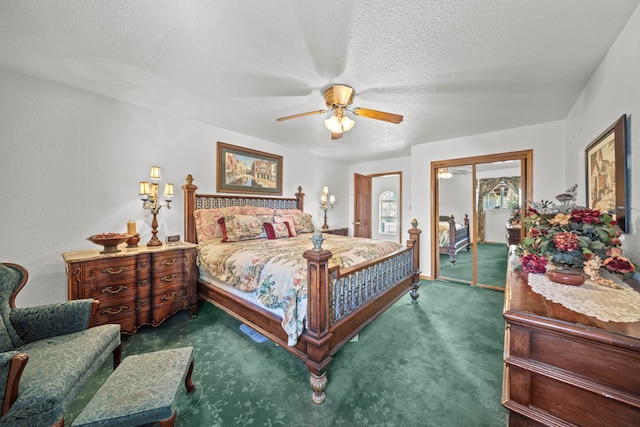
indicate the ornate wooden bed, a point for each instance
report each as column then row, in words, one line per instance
column 453, row 236
column 340, row 302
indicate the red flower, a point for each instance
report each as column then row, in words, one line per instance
column 617, row 263
column 588, row 216
column 532, row 263
column 566, row 242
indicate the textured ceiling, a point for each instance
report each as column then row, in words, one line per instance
column 452, row 68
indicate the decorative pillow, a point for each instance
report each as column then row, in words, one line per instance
column 242, row 227
column 276, row 231
column 206, row 220
column 283, row 212
column 287, row 219
column 303, row 223
column 254, row 210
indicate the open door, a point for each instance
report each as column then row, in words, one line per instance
column 362, row 208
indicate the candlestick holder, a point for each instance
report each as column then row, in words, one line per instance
column 149, row 197
column 326, row 202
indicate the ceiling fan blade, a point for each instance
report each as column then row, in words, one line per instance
column 336, row 135
column 295, row 116
column 342, row 95
column 378, row 115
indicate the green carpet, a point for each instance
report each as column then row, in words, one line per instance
column 438, row 363
column 492, row 265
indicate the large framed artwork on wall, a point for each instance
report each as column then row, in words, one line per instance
column 242, row 170
column 606, row 172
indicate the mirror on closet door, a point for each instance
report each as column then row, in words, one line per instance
column 498, row 199
column 455, row 225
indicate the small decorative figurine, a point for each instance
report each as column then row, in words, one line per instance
column 317, row 239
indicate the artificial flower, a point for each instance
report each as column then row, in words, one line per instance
column 532, row 263
column 560, row 219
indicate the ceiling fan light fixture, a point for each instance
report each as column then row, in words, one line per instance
column 347, row 123
column 333, row 124
column 336, row 125
column 444, row 173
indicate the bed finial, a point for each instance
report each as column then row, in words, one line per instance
column 414, row 223
column 189, row 179
column 317, row 239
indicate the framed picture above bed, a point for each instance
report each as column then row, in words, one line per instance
column 606, row 172
column 242, row 170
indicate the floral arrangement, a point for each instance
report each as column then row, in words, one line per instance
column 571, row 236
column 515, row 216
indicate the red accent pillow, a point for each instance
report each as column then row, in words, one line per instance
column 223, row 227
column 276, row 231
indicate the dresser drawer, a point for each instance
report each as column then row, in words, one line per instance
column 168, row 262
column 108, row 271
column 114, row 290
column 117, row 310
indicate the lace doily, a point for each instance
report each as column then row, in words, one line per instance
column 603, row 303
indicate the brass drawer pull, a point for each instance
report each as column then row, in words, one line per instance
column 168, row 297
column 112, row 270
column 111, row 311
column 144, row 282
column 108, row 289
column 169, row 261
column 169, row 278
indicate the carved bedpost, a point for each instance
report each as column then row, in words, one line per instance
column 414, row 242
column 318, row 350
column 189, row 206
column 300, row 198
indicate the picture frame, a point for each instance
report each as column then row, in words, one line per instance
column 247, row 171
column 606, row 172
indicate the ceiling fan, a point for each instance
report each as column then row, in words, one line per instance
column 338, row 99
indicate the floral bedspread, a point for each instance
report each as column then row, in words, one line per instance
column 276, row 272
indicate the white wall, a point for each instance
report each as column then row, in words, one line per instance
column 72, row 161
column 614, row 89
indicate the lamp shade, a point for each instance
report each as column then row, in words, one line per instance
column 144, row 188
column 155, row 172
column 168, row 190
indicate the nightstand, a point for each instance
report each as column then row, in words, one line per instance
column 136, row 286
column 339, row 231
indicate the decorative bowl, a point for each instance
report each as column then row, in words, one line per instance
column 566, row 277
column 109, row 241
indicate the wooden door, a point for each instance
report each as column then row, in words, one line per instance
column 362, row 209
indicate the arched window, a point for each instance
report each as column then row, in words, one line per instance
column 388, row 213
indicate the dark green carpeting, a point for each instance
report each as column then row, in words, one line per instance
column 492, row 265
column 438, row 363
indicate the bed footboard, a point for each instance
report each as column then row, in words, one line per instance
column 342, row 302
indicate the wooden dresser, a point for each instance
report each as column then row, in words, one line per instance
column 514, row 234
column 563, row 368
column 339, row 231
column 137, row 286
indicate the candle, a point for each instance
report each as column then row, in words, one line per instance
column 131, row 228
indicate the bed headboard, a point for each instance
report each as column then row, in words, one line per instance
column 193, row 201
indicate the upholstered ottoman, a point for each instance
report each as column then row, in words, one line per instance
column 141, row 390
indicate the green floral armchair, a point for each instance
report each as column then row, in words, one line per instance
column 47, row 353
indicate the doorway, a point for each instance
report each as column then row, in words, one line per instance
column 378, row 206
column 473, row 201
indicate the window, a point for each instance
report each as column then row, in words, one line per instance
column 388, row 213
column 500, row 197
